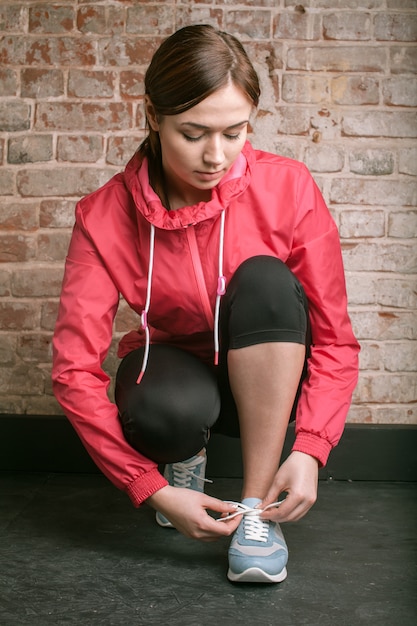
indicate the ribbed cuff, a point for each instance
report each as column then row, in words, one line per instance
column 145, row 486
column 313, row 445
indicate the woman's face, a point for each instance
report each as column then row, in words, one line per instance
column 200, row 145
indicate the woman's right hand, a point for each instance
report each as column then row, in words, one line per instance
column 187, row 511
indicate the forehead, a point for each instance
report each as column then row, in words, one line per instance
column 225, row 107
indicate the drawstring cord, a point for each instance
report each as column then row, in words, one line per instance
column 144, row 314
column 221, row 289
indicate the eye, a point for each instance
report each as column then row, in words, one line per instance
column 189, row 138
column 232, row 137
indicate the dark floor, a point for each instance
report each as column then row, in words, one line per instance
column 74, row 551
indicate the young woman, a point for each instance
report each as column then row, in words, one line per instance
column 232, row 260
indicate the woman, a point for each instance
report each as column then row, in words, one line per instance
column 229, row 255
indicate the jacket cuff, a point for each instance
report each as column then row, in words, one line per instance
column 145, row 486
column 313, row 445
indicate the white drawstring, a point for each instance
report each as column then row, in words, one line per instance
column 221, row 289
column 144, row 314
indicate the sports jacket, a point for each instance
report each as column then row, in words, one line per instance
column 168, row 266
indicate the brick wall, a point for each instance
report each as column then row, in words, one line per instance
column 339, row 92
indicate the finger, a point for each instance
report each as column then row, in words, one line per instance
column 227, row 527
column 277, row 488
column 220, row 506
column 290, row 511
column 284, row 511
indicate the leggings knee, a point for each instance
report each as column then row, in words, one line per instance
column 264, row 302
column 167, row 417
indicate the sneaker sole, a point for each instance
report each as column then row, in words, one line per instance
column 256, row 575
column 163, row 524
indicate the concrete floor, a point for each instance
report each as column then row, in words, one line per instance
column 74, row 551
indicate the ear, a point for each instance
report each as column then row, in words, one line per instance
column 151, row 115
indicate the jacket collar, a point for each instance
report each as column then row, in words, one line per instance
column 149, row 205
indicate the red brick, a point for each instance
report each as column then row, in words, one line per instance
column 38, row 83
column 296, row 25
column 64, row 51
column 8, row 82
column 15, row 315
column 34, row 347
column 355, row 90
column 400, row 91
column 91, row 84
column 30, row 149
column 57, row 213
column 12, row 50
column 337, row 58
column 92, row 19
column 37, row 281
column 131, row 84
column 22, row 380
column 147, row 19
column 5, row 289
column 53, row 246
column 18, row 215
column 85, row 116
column 14, row 116
column 127, row 52
column 7, row 349
column 249, row 24
column 198, row 14
column 380, row 124
column 121, row 149
column 80, row 148
column 7, row 182
column 13, row 18
column 395, row 26
column 67, row 181
column 403, row 60
column 16, row 248
column 347, row 26
column 49, row 312
column 304, row 89
column 126, row 319
column 47, row 18
column 265, row 54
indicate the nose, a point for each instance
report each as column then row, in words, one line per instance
column 214, row 152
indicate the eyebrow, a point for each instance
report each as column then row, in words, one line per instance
column 202, row 127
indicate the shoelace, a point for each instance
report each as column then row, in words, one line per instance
column 254, row 527
column 184, row 474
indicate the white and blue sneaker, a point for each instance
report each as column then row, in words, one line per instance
column 189, row 474
column 258, row 552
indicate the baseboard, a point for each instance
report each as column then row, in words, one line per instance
column 37, row 443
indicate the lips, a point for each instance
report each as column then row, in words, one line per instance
column 210, row 175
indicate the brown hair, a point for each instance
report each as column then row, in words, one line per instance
column 190, row 65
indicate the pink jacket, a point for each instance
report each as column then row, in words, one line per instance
column 270, row 205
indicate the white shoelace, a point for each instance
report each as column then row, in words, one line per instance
column 254, row 528
column 184, row 474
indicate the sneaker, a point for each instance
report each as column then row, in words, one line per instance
column 258, row 552
column 189, row 474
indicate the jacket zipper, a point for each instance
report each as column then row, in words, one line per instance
column 198, row 271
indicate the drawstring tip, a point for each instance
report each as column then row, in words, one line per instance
column 140, row 377
column 216, row 358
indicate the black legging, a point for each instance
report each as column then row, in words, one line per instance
column 168, row 416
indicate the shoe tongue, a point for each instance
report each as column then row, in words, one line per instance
column 251, row 502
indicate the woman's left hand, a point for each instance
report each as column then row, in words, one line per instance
column 298, row 477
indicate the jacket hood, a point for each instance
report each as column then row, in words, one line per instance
column 147, row 202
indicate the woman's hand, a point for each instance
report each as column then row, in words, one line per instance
column 298, row 477
column 187, row 511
